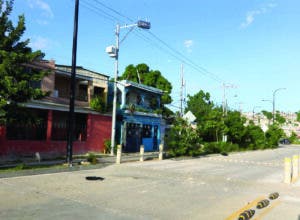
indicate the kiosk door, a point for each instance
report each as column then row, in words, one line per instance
column 133, row 137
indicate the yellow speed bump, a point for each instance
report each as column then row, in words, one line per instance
column 246, row 214
column 273, row 196
column 260, row 215
column 236, row 214
column 262, row 204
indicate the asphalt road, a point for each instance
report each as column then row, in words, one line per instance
column 213, row 187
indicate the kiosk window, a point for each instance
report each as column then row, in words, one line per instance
column 147, row 131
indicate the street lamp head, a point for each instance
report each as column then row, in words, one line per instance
column 276, row 90
column 144, row 24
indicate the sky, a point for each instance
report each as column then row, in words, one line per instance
column 250, row 47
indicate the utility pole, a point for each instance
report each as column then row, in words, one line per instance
column 113, row 51
column 113, row 132
column 71, row 116
column 181, row 91
column 224, row 104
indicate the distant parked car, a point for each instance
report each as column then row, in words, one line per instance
column 284, row 141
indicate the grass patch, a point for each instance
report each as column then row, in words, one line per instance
column 22, row 166
column 296, row 142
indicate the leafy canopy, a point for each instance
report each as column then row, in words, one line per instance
column 200, row 105
column 15, row 78
column 298, row 116
column 141, row 73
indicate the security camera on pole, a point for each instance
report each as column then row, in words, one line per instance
column 113, row 52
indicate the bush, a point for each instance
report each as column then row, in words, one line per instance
column 228, row 147
column 211, row 148
column 183, row 140
column 254, row 137
column 293, row 138
column 107, row 145
column 220, row 147
column 273, row 134
column 97, row 103
column 92, row 158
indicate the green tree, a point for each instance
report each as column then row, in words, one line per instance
column 298, row 116
column 141, row 73
column 273, row 134
column 254, row 137
column 200, row 105
column 213, row 127
column 210, row 120
column 279, row 119
column 268, row 115
column 182, row 139
column 235, row 125
column 293, row 137
column 15, row 77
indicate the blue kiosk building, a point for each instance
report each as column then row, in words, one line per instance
column 139, row 116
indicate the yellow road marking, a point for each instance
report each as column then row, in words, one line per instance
column 267, row 210
column 236, row 214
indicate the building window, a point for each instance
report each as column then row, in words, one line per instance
column 62, row 85
column 98, row 91
column 82, row 93
column 147, row 131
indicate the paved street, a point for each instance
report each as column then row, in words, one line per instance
column 212, row 187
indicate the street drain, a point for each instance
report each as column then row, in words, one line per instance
column 94, row 178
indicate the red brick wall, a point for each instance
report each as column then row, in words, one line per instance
column 98, row 129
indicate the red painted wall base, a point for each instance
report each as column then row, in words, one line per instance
column 98, row 130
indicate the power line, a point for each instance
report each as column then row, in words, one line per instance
column 98, row 11
column 113, row 10
column 190, row 62
column 166, row 48
column 174, row 106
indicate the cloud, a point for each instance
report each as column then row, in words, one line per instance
column 251, row 15
column 188, row 45
column 40, row 43
column 46, row 9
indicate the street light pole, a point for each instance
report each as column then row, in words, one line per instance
column 113, row 130
column 72, row 89
column 113, row 51
column 274, row 93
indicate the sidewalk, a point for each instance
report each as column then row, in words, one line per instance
column 55, row 165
